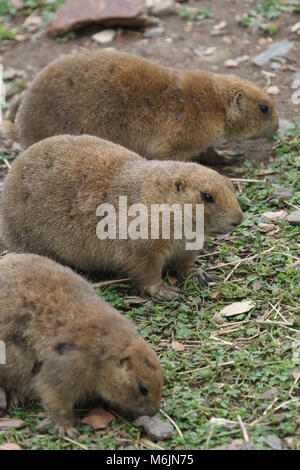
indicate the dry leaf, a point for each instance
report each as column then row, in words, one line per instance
column 266, row 226
column 98, row 418
column 177, row 346
column 214, row 294
column 229, row 425
column 274, row 215
column 10, row 446
column 210, row 50
column 237, row 308
column 134, row 300
column 10, row 423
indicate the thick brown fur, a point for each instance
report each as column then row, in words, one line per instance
column 53, row 189
column 158, row 112
column 65, row 345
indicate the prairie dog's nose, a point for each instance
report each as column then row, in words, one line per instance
column 238, row 219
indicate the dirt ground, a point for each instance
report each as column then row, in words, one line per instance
column 177, row 49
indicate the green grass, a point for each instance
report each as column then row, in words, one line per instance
column 45, row 7
column 6, row 33
column 269, row 9
column 197, row 15
column 7, row 8
column 223, row 370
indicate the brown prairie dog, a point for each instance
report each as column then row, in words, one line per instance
column 158, row 112
column 65, row 345
column 51, row 194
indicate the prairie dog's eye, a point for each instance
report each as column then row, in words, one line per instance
column 143, row 389
column 206, row 197
column 264, row 108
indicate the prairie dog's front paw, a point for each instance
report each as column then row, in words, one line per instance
column 200, row 276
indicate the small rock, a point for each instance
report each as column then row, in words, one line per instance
column 257, row 286
column 72, row 15
column 220, row 25
column 3, row 401
column 289, row 441
column 274, row 50
column 156, row 32
column 228, row 425
column 160, row 7
column 267, row 227
column 256, row 24
column 294, row 218
column 269, row 394
column 199, row 50
column 235, row 444
column 273, row 90
column 265, row 41
column 231, row 63
column 32, row 23
column 285, row 125
column 274, row 442
column 104, row 37
column 296, row 28
column 296, row 76
column 155, row 428
column 295, row 264
column 18, row 4
column 275, row 66
column 130, row 448
column 282, row 193
column 227, row 40
column 210, row 50
column 215, row 32
column 21, row 37
column 249, row 445
column 43, row 426
column 242, row 58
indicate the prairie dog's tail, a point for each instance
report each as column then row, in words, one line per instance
column 8, row 125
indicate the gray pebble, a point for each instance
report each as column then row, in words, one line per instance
column 283, row 193
column 156, row 32
column 294, row 218
column 277, row 49
column 155, row 428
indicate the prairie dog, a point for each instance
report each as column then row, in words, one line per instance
column 158, row 112
column 52, row 192
column 65, row 345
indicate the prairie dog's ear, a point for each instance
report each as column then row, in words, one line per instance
column 237, row 100
column 179, row 186
column 125, row 363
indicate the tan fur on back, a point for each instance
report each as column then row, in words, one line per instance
column 53, row 189
column 158, row 112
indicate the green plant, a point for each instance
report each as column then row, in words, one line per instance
column 198, row 15
column 7, row 8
